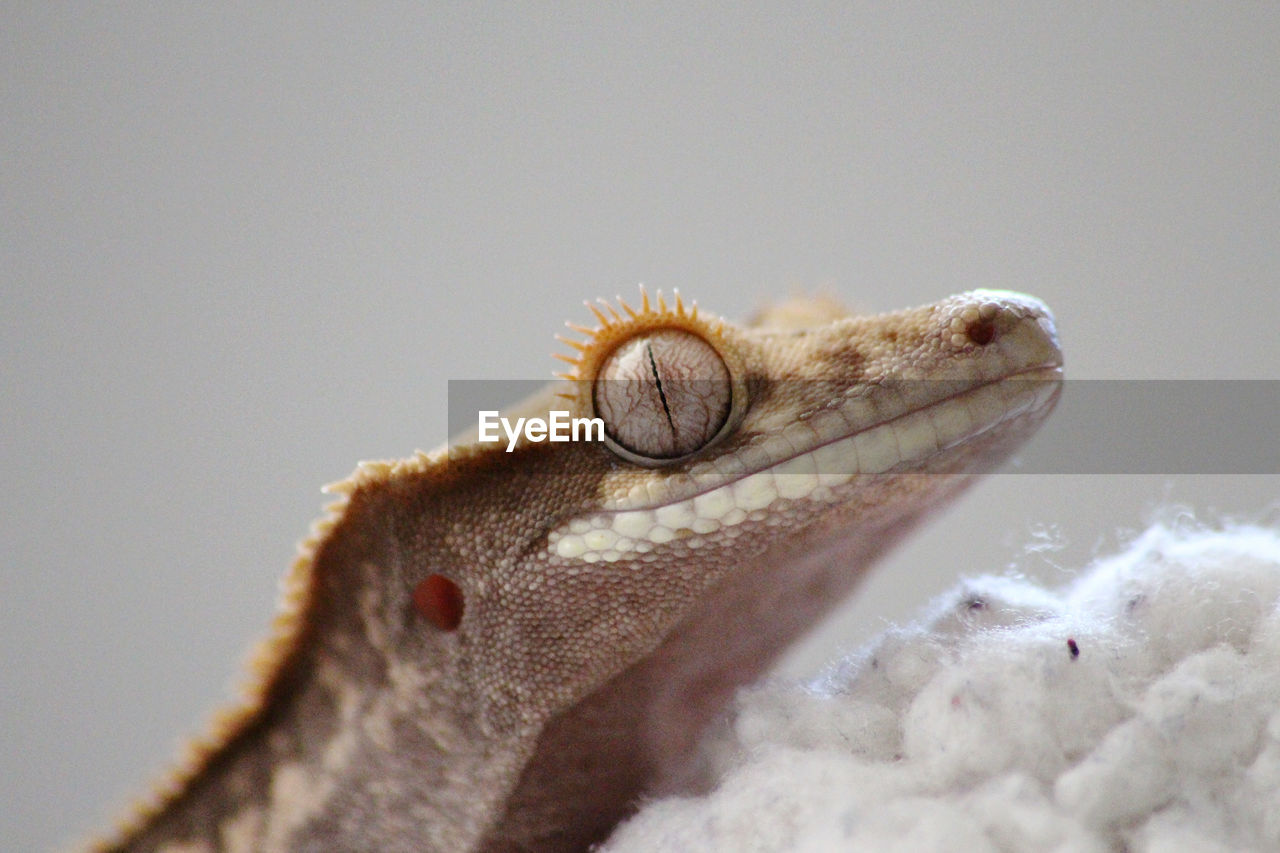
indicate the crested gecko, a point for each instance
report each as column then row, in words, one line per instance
column 479, row 649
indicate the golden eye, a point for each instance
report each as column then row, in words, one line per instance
column 665, row 381
column 663, row 395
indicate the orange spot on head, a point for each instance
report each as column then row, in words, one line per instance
column 439, row 600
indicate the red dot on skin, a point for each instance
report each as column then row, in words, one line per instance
column 439, row 600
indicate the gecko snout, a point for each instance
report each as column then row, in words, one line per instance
column 1019, row 328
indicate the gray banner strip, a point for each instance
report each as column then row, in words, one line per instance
column 1207, row 426
column 1165, row 427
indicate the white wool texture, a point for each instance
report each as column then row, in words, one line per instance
column 1137, row 709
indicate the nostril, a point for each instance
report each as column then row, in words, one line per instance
column 975, row 325
column 982, row 332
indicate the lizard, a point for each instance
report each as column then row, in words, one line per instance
column 489, row 649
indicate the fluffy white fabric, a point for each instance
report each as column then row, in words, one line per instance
column 982, row 728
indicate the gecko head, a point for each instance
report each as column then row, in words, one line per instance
column 532, row 577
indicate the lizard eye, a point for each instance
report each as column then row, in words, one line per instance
column 663, row 395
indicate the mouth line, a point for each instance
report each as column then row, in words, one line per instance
column 816, row 474
column 1042, row 384
column 1044, row 376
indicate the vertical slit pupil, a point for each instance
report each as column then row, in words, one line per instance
column 439, row 600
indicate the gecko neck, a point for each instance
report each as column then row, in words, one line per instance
column 317, row 758
column 637, row 735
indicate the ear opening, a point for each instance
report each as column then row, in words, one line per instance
column 439, row 600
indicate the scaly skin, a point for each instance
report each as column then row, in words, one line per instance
column 608, row 607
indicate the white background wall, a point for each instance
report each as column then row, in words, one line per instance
column 240, row 250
